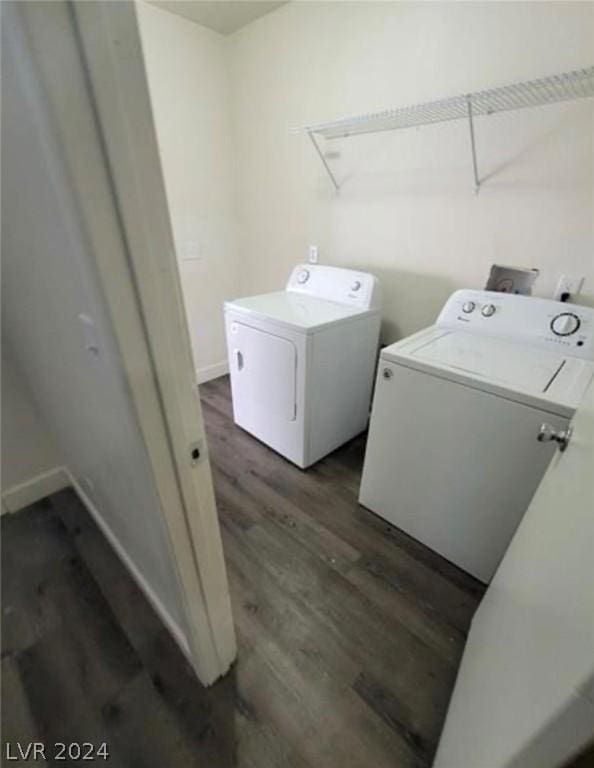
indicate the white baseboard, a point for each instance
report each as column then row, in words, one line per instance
column 211, row 371
column 19, row 496
column 178, row 635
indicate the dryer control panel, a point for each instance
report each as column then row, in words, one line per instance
column 344, row 286
column 542, row 322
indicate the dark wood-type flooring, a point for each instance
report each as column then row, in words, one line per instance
column 350, row 633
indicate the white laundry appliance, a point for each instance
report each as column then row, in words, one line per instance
column 465, row 419
column 302, row 360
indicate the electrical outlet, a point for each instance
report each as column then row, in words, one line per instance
column 313, row 254
column 568, row 288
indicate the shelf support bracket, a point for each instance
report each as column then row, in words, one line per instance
column 477, row 183
column 324, row 161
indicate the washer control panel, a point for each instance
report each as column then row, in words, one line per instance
column 543, row 322
column 344, row 286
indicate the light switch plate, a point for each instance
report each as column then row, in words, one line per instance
column 190, row 250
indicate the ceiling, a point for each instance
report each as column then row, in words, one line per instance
column 224, row 16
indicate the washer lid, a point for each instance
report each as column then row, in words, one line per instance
column 299, row 312
column 493, row 359
column 521, row 372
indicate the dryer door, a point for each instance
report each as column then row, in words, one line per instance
column 263, row 376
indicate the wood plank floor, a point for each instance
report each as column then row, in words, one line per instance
column 350, row 633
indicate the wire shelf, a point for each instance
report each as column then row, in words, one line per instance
column 568, row 86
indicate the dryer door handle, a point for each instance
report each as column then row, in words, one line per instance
column 238, row 359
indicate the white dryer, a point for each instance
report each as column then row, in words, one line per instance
column 466, row 416
column 302, row 360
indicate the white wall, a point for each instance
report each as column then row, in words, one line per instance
column 188, row 80
column 48, row 279
column 29, row 452
column 407, row 210
column 524, row 695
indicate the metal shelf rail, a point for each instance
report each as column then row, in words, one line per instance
column 578, row 84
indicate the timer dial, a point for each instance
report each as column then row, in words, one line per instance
column 565, row 324
column 303, row 276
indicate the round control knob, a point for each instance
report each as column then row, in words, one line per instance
column 565, row 324
column 303, row 276
column 488, row 310
column 356, row 285
column 468, row 307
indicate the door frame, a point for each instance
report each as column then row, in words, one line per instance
column 103, row 119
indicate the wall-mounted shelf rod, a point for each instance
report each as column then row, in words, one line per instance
column 323, row 159
column 578, row 84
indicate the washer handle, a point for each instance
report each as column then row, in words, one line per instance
column 548, row 434
column 238, row 359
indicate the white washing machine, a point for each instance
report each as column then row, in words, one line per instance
column 302, row 360
column 454, row 454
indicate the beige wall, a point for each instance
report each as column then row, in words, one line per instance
column 188, row 79
column 407, row 210
column 253, row 195
column 28, row 449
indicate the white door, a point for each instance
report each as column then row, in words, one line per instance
column 263, row 376
column 89, row 120
column 524, row 697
